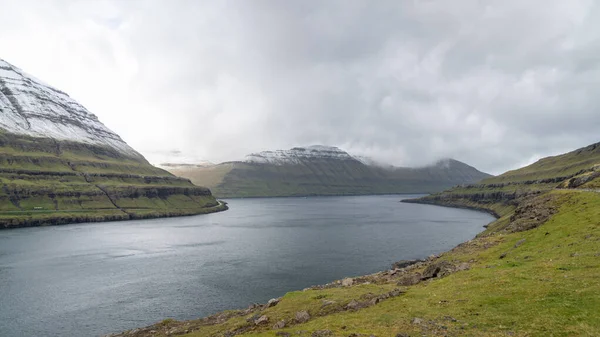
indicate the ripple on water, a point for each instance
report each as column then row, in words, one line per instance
column 130, row 274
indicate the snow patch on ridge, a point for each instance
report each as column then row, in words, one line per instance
column 30, row 107
column 298, row 154
column 372, row 162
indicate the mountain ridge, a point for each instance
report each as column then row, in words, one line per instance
column 532, row 272
column 33, row 108
column 503, row 194
column 59, row 164
column 321, row 170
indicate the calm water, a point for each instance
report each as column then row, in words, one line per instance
column 94, row 279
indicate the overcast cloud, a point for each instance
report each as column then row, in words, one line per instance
column 496, row 84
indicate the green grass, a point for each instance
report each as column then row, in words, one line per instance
column 43, row 182
column 540, row 289
column 543, row 281
column 551, row 167
column 501, row 194
column 547, row 285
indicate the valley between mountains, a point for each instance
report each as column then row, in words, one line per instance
column 59, row 164
column 533, row 272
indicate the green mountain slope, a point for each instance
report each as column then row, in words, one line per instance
column 46, row 182
column 320, row 174
column 533, row 272
column 59, row 164
column 578, row 169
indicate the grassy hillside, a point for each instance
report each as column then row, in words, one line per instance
column 501, row 195
column 320, row 176
column 45, row 182
column 538, row 282
column 533, row 272
column 559, row 167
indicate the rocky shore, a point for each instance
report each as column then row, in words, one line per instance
column 391, row 283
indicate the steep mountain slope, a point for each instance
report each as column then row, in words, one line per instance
column 60, row 164
column 322, row 170
column 501, row 195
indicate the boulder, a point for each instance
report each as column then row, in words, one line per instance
column 409, row 280
column 302, row 316
column 326, row 303
column 396, row 293
column 404, row 263
column 273, row 302
column 262, row 320
column 253, row 318
column 374, row 301
column 347, row 282
column 438, row 269
column 279, row 325
column 353, row 305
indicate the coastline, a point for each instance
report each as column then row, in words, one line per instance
column 398, row 268
column 544, row 248
column 326, row 195
column 90, row 217
column 452, row 205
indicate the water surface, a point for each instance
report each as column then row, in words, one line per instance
column 94, row 279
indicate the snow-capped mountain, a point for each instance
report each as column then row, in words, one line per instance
column 57, row 157
column 322, row 170
column 298, row 154
column 30, row 107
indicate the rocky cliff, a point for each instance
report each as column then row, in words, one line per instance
column 59, row 164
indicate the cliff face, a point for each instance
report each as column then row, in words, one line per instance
column 322, row 170
column 502, row 195
column 59, row 164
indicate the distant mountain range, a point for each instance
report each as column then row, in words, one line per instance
column 60, row 164
column 321, row 170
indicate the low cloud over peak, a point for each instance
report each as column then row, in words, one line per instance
column 495, row 84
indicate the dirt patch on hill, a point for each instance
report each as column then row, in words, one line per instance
column 532, row 213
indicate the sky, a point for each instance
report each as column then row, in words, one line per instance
column 497, row 84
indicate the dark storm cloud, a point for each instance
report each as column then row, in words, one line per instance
column 496, row 84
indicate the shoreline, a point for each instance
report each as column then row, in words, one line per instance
column 89, row 217
column 326, row 195
column 451, row 205
column 407, row 265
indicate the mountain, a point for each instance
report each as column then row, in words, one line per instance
column 322, row 170
column 501, row 195
column 60, row 164
column 533, row 272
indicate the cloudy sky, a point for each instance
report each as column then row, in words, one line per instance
column 496, row 84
